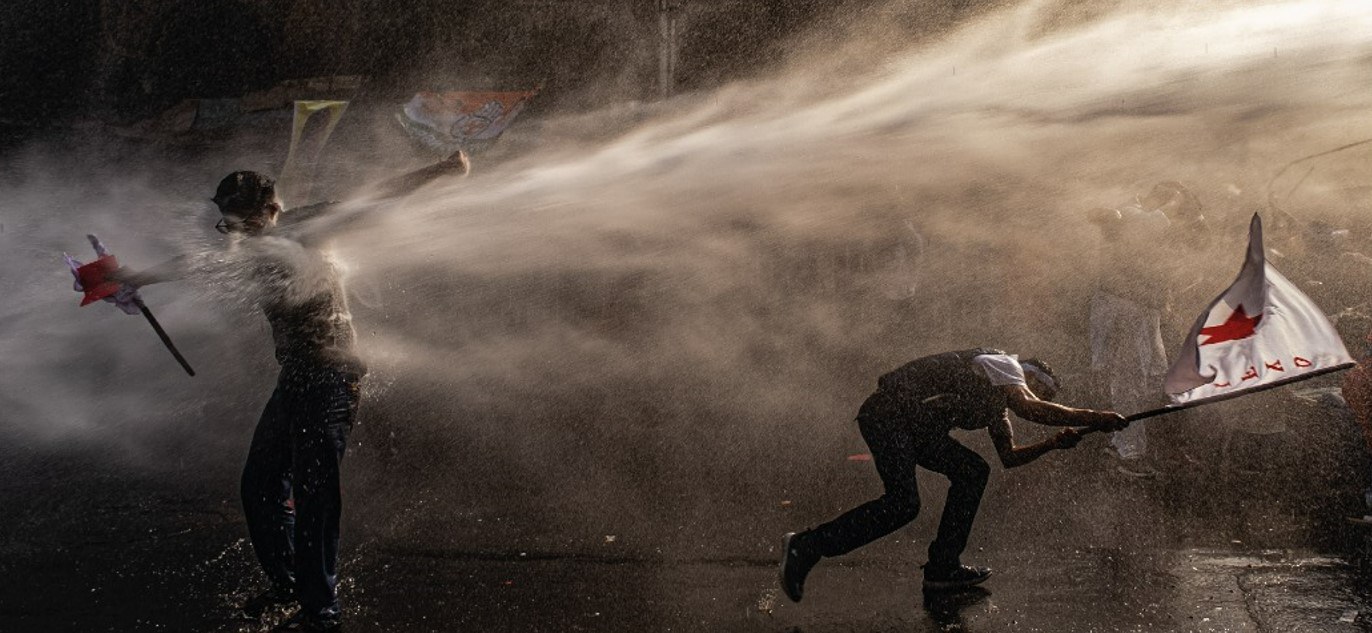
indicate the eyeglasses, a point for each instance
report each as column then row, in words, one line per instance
column 225, row 226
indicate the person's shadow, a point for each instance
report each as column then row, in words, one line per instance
column 945, row 607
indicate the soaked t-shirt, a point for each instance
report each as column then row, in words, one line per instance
column 316, row 331
column 300, row 290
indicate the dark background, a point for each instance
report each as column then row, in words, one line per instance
column 119, row 60
column 679, row 463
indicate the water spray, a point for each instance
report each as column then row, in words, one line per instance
column 94, row 279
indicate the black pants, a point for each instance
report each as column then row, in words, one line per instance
column 291, row 493
column 899, row 443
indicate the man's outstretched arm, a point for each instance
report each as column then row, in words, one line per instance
column 456, row 165
column 170, row 270
column 1026, row 405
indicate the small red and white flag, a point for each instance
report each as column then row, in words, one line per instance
column 1260, row 333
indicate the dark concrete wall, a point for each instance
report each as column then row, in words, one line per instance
column 131, row 58
column 134, row 57
column 46, row 49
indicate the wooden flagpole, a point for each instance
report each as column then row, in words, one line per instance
column 162, row 334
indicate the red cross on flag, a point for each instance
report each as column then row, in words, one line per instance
column 1260, row 333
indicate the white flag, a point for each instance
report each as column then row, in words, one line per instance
column 1260, row 333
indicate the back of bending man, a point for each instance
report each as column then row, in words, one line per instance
column 906, row 423
column 291, row 492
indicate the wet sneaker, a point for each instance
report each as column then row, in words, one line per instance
column 796, row 563
column 955, row 578
column 303, row 622
column 274, row 599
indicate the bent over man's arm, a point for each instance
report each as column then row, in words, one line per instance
column 1026, row 405
column 1023, row 402
column 1011, row 456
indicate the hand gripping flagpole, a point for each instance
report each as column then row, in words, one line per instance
column 93, row 280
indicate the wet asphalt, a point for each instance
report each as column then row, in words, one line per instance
column 92, row 549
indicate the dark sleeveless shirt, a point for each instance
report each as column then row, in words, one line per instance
column 945, row 391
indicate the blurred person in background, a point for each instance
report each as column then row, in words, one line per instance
column 1142, row 245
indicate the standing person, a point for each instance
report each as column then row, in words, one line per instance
column 290, row 487
column 906, row 423
column 1128, row 358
